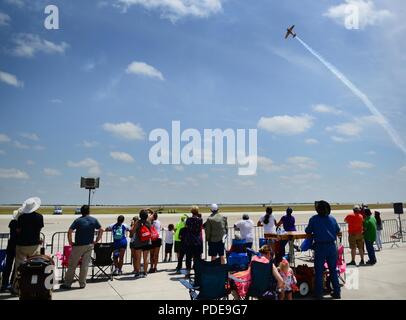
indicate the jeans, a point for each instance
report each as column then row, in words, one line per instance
column 325, row 252
column 371, row 251
column 192, row 252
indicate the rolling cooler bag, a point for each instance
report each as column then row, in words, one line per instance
column 35, row 278
column 237, row 261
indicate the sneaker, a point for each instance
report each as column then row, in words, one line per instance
column 115, row 272
column 82, row 286
column 336, row 295
column 120, row 272
column 151, row 270
column 177, row 271
column 136, row 274
column 362, row 263
column 370, row 263
column 352, row 263
column 144, row 274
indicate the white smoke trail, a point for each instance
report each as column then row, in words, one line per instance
column 371, row 107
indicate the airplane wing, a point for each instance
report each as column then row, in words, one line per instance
column 287, row 35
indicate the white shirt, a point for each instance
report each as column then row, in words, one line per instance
column 169, row 236
column 270, row 227
column 157, row 225
column 246, row 229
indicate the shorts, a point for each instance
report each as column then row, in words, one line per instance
column 168, row 248
column 156, row 243
column 216, row 249
column 120, row 244
column 177, row 246
column 144, row 247
column 356, row 241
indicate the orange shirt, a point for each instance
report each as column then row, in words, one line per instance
column 355, row 223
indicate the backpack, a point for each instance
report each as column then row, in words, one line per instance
column 144, row 233
column 118, row 232
column 154, row 233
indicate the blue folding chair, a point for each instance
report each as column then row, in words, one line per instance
column 3, row 256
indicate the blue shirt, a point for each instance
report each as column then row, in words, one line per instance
column 85, row 228
column 323, row 228
column 288, row 223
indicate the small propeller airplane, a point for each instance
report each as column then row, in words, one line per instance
column 290, row 32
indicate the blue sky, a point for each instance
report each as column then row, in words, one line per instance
column 82, row 100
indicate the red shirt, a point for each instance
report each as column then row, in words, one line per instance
column 355, row 223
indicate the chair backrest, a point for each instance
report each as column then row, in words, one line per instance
column 3, row 255
column 200, row 265
column 103, row 253
column 213, row 279
column 261, row 278
column 67, row 250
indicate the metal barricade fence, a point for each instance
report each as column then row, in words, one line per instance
column 5, row 236
column 60, row 239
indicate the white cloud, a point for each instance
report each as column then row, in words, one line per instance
column 30, row 162
column 89, row 163
column 27, row 45
column 402, row 169
column 368, row 14
column 302, row 162
column 85, row 163
column 4, row 138
column 371, row 153
column 323, row 108
column 89, row 144
column 51, row 172
column 13, row 174
column 30, row 136
column 122, row 156
column 55, row 100
column 311, row 141
column 339, row 139
column 10, row 79
column 176, row 9
column 126, row 130
column 286, row 125
column 267, row 164
column 20, row 145
column 349, row 129
column 4, row 19
column 360, row 165
column 141, row 68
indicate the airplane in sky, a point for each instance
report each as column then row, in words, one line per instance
column 290, row 32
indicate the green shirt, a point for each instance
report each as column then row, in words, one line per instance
column 179, row 226
column 370, row 229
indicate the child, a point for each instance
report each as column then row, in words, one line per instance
column 169, row 242
column 119, row 231
column 288, row 278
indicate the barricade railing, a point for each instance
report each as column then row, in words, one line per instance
column 5, row 236
column 60, row 239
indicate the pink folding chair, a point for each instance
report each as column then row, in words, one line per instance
column 64, row 259
column 341, row 266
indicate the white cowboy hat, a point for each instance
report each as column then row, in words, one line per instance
column 30, row 205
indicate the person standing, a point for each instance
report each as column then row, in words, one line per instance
column 370, row 236
column 29, row 226
column 141, row 243
column 119, row 231
column 192, row 239
column 155, row 244
column 84, row 227
column 10, row 252
column 216, row 231
column 180, row 253
column 267, row 221
column 169, row 242
column 246, row 227
column 288, row 224
column 324, row 230
column 379, row 228
column 355, row 222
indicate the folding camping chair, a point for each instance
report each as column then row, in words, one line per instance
column 210, row 281
column 103, row 261
column 3, row 257
column 261, row 280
